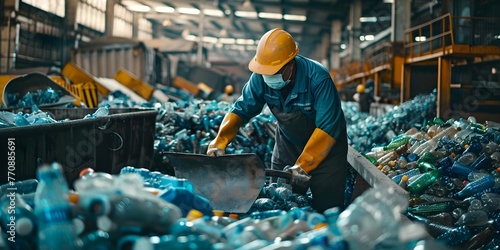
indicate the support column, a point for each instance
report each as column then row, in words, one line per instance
column 376, row 84
column 400, row 19
column 201, row 31
column 443, row 87
column 405, row 83
column 71, row 26
column 355, row 32
column 135, row 25
column 110, row 17
column 335, row 38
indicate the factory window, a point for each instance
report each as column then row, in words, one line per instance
column 123, row 23
column 145, row 29
column 54, row 6
column 92, row 14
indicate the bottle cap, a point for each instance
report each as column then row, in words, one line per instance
column 86, row 171
column 320, row 225
column 234, row 216
column 194, row 214
column 73, row 197
column 218, row 212
column 24, row 226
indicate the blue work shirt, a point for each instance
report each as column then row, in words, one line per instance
column 314, row 94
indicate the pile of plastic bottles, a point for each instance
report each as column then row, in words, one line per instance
column 366, row 132
column 39, row 97
column 451, row 170
column 139, row 209
column 38, row 117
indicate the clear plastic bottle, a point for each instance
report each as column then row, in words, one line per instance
column 52, row 208
column 158, row 180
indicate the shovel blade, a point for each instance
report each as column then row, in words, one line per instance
column 231, row 182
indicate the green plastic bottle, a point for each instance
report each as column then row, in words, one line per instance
column 424, row 181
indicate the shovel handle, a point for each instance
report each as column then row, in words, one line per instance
column 278, row 173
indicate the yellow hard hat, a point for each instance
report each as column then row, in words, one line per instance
column 360, row 88
column 275, row 49
column 228, row 89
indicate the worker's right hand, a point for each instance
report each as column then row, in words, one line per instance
column 227, row 131
column 215, row 152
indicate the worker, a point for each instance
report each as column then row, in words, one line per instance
column 227, row 96
column 363, row 97
column 310, row 139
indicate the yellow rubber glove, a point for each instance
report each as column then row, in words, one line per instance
column 316, row 150
column 227, row 131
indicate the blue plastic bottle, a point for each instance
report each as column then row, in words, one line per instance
column 52, row 208
column 187, row 200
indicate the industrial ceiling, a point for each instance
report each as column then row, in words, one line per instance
column 231, row 28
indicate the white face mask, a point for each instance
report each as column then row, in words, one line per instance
column 276, row 81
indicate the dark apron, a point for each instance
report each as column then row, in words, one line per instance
column 328, row 180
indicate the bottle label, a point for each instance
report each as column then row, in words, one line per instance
column 55, row 215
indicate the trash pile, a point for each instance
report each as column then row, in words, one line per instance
column 138, row 209
column 366, row 132
column 39, row 97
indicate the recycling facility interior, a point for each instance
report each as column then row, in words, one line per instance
column 173, row 50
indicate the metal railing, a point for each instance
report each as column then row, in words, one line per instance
column 435, row 35
column 430, row 37
column 476, row 31
column 378, row 55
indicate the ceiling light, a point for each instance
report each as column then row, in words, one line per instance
column 136, row 6
column 343, row 46
column 388, row 1
column 369, row 37
column 191, row 38
column 270, row 15
column 213, row 12
column 227, row 40
column 370, row 19
column 245, row 41
column 420, row 39
column 209, row 39
column 294, row 17
column 164, row 9
column 362, row 38
column 251, row 47
column 249, row 14
column 189, row 11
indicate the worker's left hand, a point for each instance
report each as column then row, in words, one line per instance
column 299, row 176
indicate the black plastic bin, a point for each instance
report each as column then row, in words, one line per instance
column 106, row 144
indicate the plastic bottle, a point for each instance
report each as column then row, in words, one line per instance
column 473, row 219
column 17, row 215
column 97, row 240
column 491, row 201
column 456, row 236
column 460, row 170
column 479, row 185
column 52, row 208
column 490, row 147
column 482, row 162
column 424, row 181
column 479, row 239
column 159, row 180
column 171, row 242
column 19, row 187
column 186, row 200
column 432, row 208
